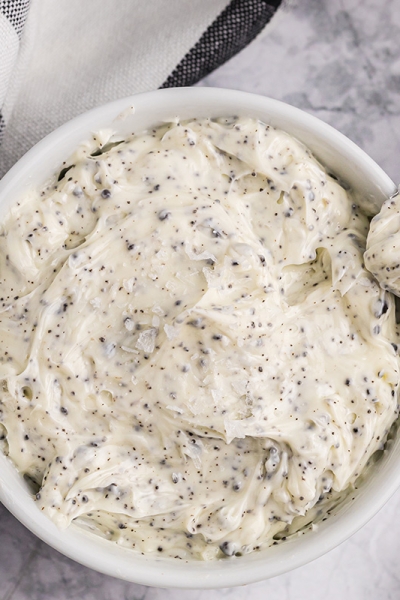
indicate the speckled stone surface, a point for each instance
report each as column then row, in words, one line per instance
column 339, row 60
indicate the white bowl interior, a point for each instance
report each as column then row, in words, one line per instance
column 351, row 165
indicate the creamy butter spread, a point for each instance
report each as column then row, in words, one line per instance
column 192, row 352
column 382, row 256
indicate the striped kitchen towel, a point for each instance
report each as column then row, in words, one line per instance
column 58, row 59
column 13, row 14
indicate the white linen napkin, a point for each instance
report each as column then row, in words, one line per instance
column 58, row 59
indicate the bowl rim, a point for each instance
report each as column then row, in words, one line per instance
column 122, row 563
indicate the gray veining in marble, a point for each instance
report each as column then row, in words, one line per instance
column 339, row 60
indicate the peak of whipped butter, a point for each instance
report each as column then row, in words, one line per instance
column 192, row 353
column 382, row 256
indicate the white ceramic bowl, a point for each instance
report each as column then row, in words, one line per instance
column 344, row 159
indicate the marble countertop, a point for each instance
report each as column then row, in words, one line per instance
column 339, row 60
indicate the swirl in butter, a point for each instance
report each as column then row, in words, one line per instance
column 382, row 256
